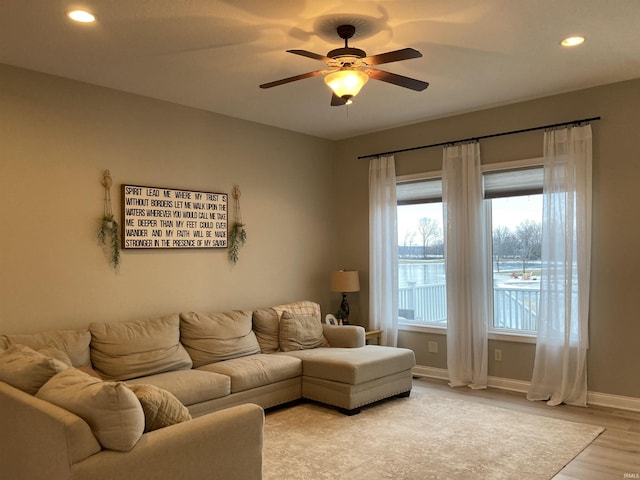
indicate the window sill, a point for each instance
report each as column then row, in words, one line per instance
column 493, row 335
column 412, row 327
column 513, row 337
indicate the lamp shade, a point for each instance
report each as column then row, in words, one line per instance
column 346, row 83
column 345, row 281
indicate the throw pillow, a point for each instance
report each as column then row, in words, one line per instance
column 266, row 326
column 53, row 352
column 112, row 411
column 125, row 350
column 27, row 370
column 213, row 337
column 300, row 332
column 88, row 369
column 304, row 307
column 161, row 408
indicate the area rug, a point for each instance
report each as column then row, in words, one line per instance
column 425, row 436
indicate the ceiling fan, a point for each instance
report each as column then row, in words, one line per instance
column 350, row 68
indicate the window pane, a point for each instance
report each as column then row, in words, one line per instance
column 421, row 273
column 517, row 241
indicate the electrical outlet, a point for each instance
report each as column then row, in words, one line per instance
column 497, row 355
column 433, row 347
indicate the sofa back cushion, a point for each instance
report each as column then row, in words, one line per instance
column 112, row 410
column 266, row 325
column 213, row 337
column 120, row 351
column 300, row 332
column 27, row 370
column 75, row 343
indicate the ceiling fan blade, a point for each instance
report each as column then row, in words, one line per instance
column 395, row 56
column 336, row 101
column 400, row 80
column 315, row 56
column 292, row 79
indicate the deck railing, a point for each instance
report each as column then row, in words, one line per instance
column 514, row 308
column 423, row 303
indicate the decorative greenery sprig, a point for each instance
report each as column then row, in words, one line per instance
column 109, row 227
column 237, row 238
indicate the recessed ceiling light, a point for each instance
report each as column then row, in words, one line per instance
column 572, row 41
column 81, row 16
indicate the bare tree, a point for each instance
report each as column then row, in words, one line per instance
column 409, row 238
column 503, row 244
column 429, row 229
column 529, row 235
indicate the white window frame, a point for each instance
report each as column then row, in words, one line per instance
column 502, row 335
column 412, row 327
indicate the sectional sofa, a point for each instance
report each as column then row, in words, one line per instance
column 180, row 396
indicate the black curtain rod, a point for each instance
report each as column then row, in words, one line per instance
column 574, row 122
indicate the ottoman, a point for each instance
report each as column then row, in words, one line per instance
column 350, row 378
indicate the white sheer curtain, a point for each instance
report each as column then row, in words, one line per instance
column 560, row 368
column 468, row 278
column 383, row 249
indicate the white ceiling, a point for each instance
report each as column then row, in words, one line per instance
column 213, row 54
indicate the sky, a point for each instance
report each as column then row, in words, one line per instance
column 508, row 212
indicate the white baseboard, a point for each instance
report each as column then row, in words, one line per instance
column 613, row 401
column 431, row 372
column 593, row 398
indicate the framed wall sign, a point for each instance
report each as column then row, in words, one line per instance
column 155, row 217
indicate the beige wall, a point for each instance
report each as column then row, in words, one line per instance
column 304, row 200
column 58, row 136
column 613, row 360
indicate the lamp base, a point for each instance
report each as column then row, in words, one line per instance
column 344, row 308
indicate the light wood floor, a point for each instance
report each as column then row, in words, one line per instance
column 614, row 455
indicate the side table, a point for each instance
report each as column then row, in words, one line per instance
column 371, row 334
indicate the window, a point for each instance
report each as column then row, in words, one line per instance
column 517, row 235
column 515, row 220
column 422, row 291
column 514, row 207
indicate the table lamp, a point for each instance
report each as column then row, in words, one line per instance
column 344, row 281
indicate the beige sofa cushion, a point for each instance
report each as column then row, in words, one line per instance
column 266, row 325
column 300, row 332
column 60, row 355
column 161, row 408
column 256, row 370
column 112, row 410
column 355, row 366
column 189, row 386
column 213, row 337
column 75, row 343
column 121, row 351
column 27, row 370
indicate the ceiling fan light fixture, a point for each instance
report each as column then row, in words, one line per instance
column 346, row 83
column 572, row 41
column 81, row 16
